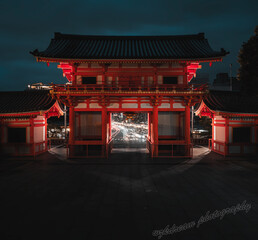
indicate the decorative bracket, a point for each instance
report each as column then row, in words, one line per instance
column 103, row 101
column 155, row 100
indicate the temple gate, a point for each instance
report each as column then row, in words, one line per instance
column 109, row 74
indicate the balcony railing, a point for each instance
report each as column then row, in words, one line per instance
column 64, row 88
column 24, row 149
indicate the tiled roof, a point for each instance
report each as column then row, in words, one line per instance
column 66, row 46
column 233, row 102
column 25, row 101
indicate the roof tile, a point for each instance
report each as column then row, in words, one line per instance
column 25, row 101
column 65, row 46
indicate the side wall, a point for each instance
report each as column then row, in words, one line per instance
column 223, row 135
column 34, row 142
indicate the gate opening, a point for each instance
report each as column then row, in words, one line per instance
column 129, row 132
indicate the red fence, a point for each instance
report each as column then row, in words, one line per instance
column 132, row 87
column 177, row 150
column 24, row 149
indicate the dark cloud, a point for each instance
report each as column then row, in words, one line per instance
column 26, row 25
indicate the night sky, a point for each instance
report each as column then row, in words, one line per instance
column 27, row 25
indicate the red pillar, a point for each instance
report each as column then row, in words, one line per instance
column 187, row 129
column 149, row 126
column 155, row 130
column 213, row 129
column 32, row 136
column 46, row 139
column 71, row 133
column 256, row 136
column 74, row 70
column 104, row 130
column 71, row 125
column 226, row 136
column 110, row 125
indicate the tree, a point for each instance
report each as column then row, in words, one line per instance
column 248, row 71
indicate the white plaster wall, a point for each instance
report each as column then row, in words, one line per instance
column 40, row 118
column 150, row 80
column 218, row 118
column 44, row 133
column 116, row 81
column 129, row 105
column 99, row 79
column 81, row 105
column 38, row 134
column 94, row 105
column 79, row 80
column 145, row 105
column 109, row 80
column 113, row 105
column 164, row 105
column 160, row 79
column 219, row 134
column 178, row 105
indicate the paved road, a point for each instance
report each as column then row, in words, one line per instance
column 54, row 199
column 127, row 137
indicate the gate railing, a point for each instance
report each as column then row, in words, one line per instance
column 128, row 87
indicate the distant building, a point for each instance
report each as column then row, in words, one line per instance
column 39, row 86
column 222, row 82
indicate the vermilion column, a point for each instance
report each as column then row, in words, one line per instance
column 32, row 136
column 72, row 132
column 149, row 126
column 104, row 129
column 187, row 128
column 110, row 125
column 213, row 129
column 71, row 125
column 74, row 70
column 256, row 135
column 46, row 138
column 155, row 130
column 226, row 136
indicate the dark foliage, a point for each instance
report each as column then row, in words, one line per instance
column 248, row 71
